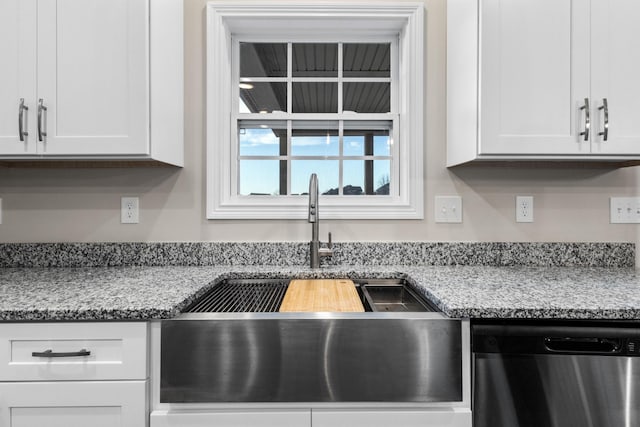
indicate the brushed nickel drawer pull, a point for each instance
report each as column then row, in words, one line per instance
column 605, row 132
column 587, row 119
column 21, row 132
column 51, row 353
column 41, row 108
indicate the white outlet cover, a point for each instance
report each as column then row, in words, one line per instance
column 524, row 208
column 129, row 207
column 448, row 209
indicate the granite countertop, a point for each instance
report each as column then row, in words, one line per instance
column 143, row 293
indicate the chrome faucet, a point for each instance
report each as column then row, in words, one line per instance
column 315, row 251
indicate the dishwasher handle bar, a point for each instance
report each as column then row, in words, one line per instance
column 555, row 340
column 576, row 345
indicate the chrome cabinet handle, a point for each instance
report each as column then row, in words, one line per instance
column 605, row 131
column 21, row 132
column 41, row 108
column 51, row 353
column 587, row 119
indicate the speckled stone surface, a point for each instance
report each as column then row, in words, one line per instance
column 296, row 254
column 531, row 292
column 142, row 293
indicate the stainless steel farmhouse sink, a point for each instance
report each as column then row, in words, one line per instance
column 232, row 345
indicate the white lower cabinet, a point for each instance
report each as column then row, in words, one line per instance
column 73, row 404
column 285, row 418
column 445, row 417
column 74, row 374
column 449, row 417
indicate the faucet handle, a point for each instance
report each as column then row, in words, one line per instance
column 329, row 245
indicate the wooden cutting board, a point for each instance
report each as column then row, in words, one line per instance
column 321, row 295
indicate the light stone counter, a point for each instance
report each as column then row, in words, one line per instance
column 142, row 293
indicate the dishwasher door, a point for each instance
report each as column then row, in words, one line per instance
column 576, row 375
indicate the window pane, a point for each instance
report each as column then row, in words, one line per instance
column 353, row 177
column 315, row 139
column 315, row 60
column 353, row 144
column 362, row 138
column 327, row 171
column 263, row 59
column 263, row 97
column 366, row 177
column 382, row 145
column 367, row 97
column 366, row 60
column 259, row 177
column 262, row 138
column 315, row 97
column 382, row 176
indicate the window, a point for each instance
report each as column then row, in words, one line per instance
column 329, row 89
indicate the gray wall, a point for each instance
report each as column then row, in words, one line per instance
column 59, row 205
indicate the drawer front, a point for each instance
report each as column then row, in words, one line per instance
column 443, row 417
column 248, row 418
column 73, row 351
column 73, row 404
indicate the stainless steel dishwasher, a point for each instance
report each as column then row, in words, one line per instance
column 562, row 374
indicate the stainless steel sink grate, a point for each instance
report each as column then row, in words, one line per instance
column 240, row 296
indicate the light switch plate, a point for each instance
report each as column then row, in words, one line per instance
column 448, row 209
column 624, row 210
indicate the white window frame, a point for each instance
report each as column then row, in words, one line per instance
column 229, row 19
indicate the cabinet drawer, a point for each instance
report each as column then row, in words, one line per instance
column 73, row 404
column 443, row 417
column 248, row 418
column 73, row 351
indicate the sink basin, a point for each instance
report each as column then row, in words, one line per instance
column 395, row 351
column 266, row 295
column 393, row 296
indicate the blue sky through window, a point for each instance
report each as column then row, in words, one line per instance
column 262, row 176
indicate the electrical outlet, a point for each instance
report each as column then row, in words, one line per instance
column 524, row 208
column 129, row 210
column 625, row 210
column 448, row 209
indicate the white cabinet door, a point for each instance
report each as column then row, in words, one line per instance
column 73, row 404
column 615, row 65
column 534, row 76
column 392, row 418
column 92, row 76
column 288, row 418
column 17, row 74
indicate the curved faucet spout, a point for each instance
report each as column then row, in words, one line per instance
column 313, row 198
column 315, row 251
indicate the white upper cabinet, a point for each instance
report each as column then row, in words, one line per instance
column 92, row 76
column 532, row 62
column 615, row 75
column 17, row 75
column 85, row 74
column 529, row 80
